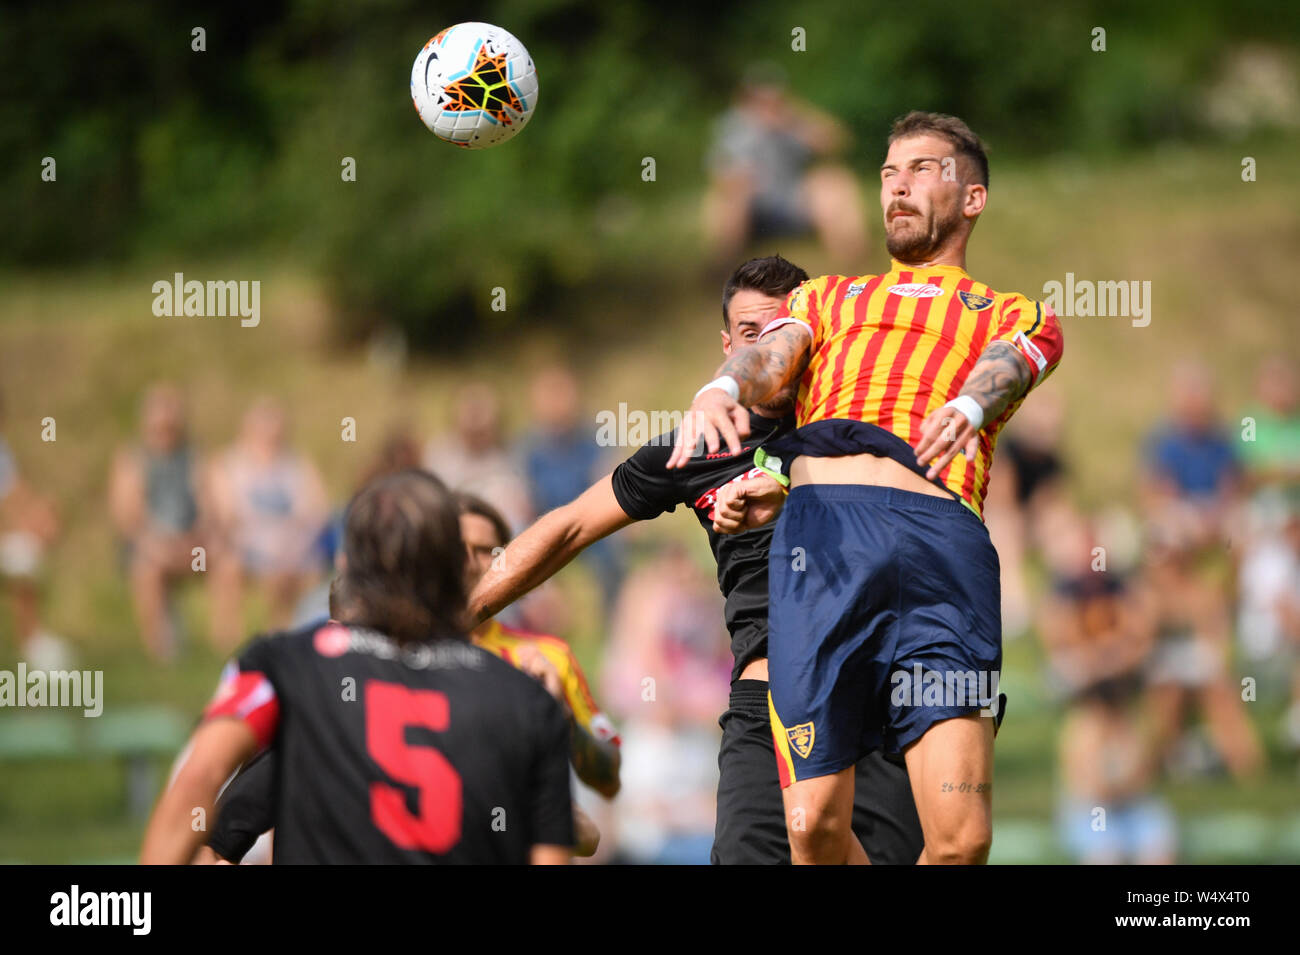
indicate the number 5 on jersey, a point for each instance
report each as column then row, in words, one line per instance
column 390, row 709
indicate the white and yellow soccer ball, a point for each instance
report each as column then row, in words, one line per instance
column 474, row 85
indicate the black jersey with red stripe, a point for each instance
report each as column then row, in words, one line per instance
column 645, row 488
column 432, row 752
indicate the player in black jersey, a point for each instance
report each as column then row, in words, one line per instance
column 393, row 747
column 751, row 824
column 246, row 807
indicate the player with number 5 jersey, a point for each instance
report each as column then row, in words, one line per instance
column 394, row 746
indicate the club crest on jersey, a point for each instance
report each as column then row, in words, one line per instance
column 801, row 737
column 854, row 290
column 916, row 290
column 976, row 303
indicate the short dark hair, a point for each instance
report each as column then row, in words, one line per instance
column 404, row 572
column 954, row 130
column 769, row 274
column 473, row 504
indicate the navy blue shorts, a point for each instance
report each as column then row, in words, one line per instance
column 885, row 619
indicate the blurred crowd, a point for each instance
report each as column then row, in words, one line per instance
column 1161, row 628
column 253, row 521
column 1161, row 624
column 1163, row 619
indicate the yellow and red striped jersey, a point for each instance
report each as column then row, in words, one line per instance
column 889, row 349
column 505, row 642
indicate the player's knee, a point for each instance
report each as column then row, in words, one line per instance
column 966, row 844
column 817, row 834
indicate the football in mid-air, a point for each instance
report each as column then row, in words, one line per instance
column 474, row 85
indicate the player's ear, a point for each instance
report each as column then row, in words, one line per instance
column 726, row 342
column 976, row 196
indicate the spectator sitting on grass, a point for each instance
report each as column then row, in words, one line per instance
column 153, row 502
column 1098, row 635
column 766, row 181
column 29, row 525
column 268, row 508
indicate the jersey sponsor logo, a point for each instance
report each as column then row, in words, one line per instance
column 727, row 454
column 1030, row 350
column 332, row 640
column 915, row 290
column 802, row 738
column 447, row 654
column 708, row 499
column 854, row 290
column 976, row 303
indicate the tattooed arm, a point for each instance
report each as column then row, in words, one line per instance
column 760, row 371
column 999, row 378
column 764, row 368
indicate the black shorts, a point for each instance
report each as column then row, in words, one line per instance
column 751, row 815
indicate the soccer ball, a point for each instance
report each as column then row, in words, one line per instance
column 474, row 85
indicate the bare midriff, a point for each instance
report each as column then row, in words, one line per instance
column 860, row 469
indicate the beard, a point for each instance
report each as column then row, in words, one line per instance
column 915, row 240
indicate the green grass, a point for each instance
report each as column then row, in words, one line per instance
column 82, row 346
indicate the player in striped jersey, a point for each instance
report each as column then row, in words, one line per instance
column 895, row 587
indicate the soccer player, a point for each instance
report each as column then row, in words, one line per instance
column 895, row 582
column 398, row 739
column 750, row 824
column 594, row 751
column 247, row 805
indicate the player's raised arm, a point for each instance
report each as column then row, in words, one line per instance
column 751, row 375
column 540, row 552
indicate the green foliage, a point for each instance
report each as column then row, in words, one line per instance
column 164, row 152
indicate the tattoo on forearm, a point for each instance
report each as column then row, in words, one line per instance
column 999, row 378
column 764, row 369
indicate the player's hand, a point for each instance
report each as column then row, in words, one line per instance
column 531, row 661
column 714, row 416
column 586, row 834
column 744, row 505
column 945, row 432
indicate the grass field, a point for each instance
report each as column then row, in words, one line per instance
column 80, row 347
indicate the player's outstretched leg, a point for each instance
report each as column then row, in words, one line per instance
column 819, row 819
column 951, row 768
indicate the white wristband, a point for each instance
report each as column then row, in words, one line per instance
column 969, row 407
column 726, row 383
